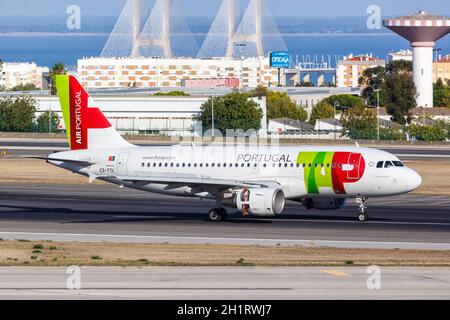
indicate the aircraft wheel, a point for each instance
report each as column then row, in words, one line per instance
column 363, row 217
column 215, row 215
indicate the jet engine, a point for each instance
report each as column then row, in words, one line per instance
column 324, row 203
column 260, row 201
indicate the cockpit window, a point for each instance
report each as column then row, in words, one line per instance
column 388, row 164
column 380, row 164
column 398, row 163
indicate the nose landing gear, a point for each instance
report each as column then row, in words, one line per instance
column 362, row 215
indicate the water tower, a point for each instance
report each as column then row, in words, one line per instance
column 422, row 30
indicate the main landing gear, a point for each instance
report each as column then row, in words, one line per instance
column 362, row 215
column 217, row 214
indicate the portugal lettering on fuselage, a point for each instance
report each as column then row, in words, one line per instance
column 264, row 158
column 78, row 122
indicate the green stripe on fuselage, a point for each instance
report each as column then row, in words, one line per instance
column 316, row 176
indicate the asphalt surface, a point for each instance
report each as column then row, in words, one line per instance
column 108, row 213
column 222, row 283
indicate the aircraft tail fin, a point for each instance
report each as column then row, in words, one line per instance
column 86, row 126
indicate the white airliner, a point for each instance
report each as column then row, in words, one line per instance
column 256, row 180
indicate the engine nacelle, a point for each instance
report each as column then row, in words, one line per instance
column 260, row 201
column 327, row 203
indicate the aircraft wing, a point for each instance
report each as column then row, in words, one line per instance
column 205, row 183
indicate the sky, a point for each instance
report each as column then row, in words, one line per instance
column 208, row 8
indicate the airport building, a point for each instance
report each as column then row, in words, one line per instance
column 13, row 74
column 441, row 69
column 173, row 72
column 351, row 68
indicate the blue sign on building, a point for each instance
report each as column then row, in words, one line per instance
column 280, row 59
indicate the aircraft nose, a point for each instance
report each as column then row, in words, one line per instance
column 413, row 180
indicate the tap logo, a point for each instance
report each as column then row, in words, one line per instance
column 330, row 170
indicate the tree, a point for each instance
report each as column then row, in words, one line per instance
column 399, row 96
column 360, row 123
column 232, row 111
column 441, row 94
column 280, row 105
column 16, row 115
column 322, row 110
column 371, row 80
column 428, row 133
column 345, row 100
column 43, row 122
column 259, row 91
column 57, row 69
column 399, row 66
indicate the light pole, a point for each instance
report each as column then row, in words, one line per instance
column 212, row 115
column 334, row 119
column 378, row 113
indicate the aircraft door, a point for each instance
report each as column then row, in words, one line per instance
column 354, row 163
column 122, row 164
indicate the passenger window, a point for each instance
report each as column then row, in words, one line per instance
column 166, row 164
column 183, row 165
column 265, row 165
column 388, row 164
column 160, row 165
column 207, row 165
column 212, row 165
column 248, row 165
column 285, row 165
column 309, row 165
column 333, row 165
column 218, row 165
column 328, row 165
column 178, row 165
column 189, row 164
column 380, row 164
column 255, row 165
column 340, row 165
column 154, row 165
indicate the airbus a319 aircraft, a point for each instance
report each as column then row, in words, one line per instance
column 256, row 180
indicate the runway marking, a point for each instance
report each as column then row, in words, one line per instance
column 185, row 239
column 336, row 273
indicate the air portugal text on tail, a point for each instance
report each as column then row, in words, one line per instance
column 252, row 179
column 86, row 126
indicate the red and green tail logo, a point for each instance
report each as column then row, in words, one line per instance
column 79, row 114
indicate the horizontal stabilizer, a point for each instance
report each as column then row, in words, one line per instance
column 80, row 162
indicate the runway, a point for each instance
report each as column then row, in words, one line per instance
column 108, row 213
column 225, row 283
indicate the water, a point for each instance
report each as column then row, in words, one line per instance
column 303, row 36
